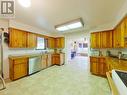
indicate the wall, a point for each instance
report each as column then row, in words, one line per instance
column 73, row 37
column 7, row 51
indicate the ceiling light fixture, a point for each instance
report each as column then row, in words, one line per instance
column 74, row 24
column 25, row 3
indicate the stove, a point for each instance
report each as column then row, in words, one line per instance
column 123, row 77
column 120, row 80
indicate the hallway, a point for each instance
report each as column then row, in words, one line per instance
column 69, row 79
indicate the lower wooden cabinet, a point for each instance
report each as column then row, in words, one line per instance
column 44, row 61
column 56, row 59
column 98, row 66
column 18, row 68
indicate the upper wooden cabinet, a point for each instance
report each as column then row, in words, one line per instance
column 51, row 42
column 125, row 34
column 17, row 38
column 101, row 39
column 31, row 40
column 95, row 40
column 119, row 35
column 21, row 39
column 56, row 42
column 106, row 39
column 59, row 42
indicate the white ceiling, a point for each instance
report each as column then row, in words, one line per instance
column 45, row 14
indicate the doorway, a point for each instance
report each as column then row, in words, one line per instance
column 78, row 49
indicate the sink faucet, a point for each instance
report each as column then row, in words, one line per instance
column 119, row 54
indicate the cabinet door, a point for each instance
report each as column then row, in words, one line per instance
column 62, row 41
column 109, row 39
column 98, row 43
column 103, row 39
column 56, row 59
column 125, row 33
column 53, row 60
column 20, row 68
column 102, row 67
column 51, row 42
column 44, row 61
column 106, row 39
column 121, row 34
column 94, row 65
column 118, row 35
column 59, row 42
column 93, row 40
column 17, row 38
column 31, row 40
column 94, row 68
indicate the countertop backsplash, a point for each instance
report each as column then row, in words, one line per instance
column 95, row 52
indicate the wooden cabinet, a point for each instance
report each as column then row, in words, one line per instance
column 119, row 35
column 31, row 40
column 98, row 66
column 95, row 40
column 102, row 67
column 101, row 39
column 106, row 39
column 17, row 38
column 59, row 42
column 125, row 33
column 44, row 61
column 51, row 42
column 21, row 39
column 18, row 68
column 94, row 65
column 56, row 42
column 56, row 59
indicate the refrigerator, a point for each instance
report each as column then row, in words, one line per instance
column 2, row 82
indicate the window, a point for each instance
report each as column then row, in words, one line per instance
column 40, row 43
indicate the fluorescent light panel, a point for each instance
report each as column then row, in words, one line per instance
column 71, row 25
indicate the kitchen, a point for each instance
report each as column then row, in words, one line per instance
column 35, row 48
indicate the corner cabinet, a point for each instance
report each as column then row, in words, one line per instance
column 17, row 38
column 56, row 42
column 51, row 43
column 18, row 68
column 58, row 59
column 59, row 42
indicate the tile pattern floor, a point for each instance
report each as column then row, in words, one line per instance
column 69, row 79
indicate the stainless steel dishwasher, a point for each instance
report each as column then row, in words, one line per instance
column 34, row 64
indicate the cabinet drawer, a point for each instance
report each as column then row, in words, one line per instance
column 21, row 60
column 94, row 59
column 101, row 60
